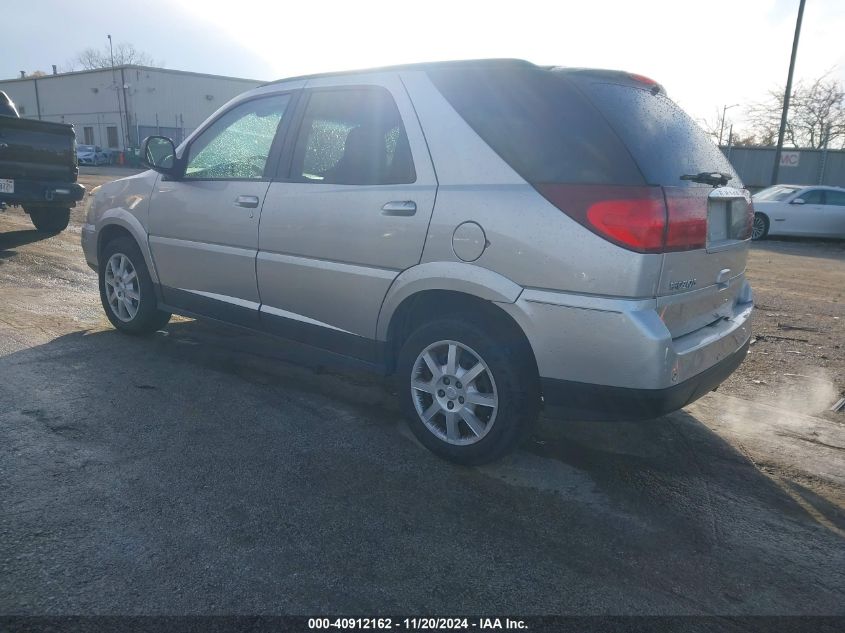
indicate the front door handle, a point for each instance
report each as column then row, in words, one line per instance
column 248, row 202
column 400, row 207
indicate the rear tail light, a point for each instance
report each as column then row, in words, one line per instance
column 632, row 217
column 641, row 219
column 687, row 217
column 749, row 221
column 635, row 222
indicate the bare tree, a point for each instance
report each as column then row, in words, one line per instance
column 124, row 53
column 819, row 115
column 743, row 139
column 816, row 115
column 718, row 126
column 764, row 119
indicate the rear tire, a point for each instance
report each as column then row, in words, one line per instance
column 126, row 289
column 760, row 228
column 49, row 219
column 492, row 388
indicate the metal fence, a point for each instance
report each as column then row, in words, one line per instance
column 797, row 166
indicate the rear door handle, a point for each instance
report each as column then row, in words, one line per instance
column 400, row 207
column 248, row 202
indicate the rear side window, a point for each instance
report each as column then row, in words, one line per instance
column 835, row 198
column 353, row 137
column 539, row 124
column 664, row 140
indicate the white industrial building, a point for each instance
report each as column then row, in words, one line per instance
column 117, row 108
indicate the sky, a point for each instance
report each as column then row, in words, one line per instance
column 707, row 54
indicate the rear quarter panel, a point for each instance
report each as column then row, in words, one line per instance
column 529, row 240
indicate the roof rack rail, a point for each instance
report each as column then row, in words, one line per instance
column 414, row 66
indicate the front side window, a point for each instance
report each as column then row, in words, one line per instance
column 814, row 196
column 353, row 137
column 237, row 145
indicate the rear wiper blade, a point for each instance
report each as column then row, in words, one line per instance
column 715, row 178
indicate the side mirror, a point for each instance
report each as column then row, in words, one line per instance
column 798, row 201
column 159, row 153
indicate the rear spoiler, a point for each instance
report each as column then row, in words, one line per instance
column 611, row 76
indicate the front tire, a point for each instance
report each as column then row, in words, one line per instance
column 49, row 219
column 470, row 395
column 760, row 228
column 126, row 289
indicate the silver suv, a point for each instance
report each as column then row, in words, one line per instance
column 499, row 236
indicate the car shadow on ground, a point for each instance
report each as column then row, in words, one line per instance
column 12, row 239
column 202, row 451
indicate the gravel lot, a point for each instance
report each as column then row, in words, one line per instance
column 206, row 470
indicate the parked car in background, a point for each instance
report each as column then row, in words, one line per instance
column 38, row 168
column 497, row 235
column 91, row 155
column 810, row 211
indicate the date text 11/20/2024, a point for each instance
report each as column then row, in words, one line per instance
column 417, row 624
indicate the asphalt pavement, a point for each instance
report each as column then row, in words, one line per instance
column 208, row 470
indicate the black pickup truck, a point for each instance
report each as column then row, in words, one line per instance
column 38, row 168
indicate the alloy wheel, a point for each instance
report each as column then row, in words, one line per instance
column 758, row 228
column 123, row 288
column 454, row 392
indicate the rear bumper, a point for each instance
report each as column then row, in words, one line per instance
column 41, row 193
column 584, row 401
column 606, row 358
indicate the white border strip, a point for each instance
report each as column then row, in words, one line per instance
column 299, row 317
column 225, row 298
column 265, row 308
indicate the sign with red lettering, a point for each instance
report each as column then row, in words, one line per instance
column 789, row 159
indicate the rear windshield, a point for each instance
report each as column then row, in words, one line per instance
column 539, row 123
column 664, row 140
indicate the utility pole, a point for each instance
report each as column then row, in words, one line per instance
column 126, row 108
column 116, row 93
column 722, row 127
column 730, row 140
column 787, row 93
